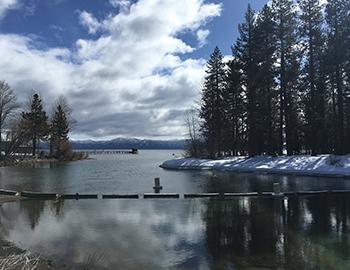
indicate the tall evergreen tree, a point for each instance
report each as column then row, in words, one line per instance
column 212, row 106
column 287, row 73
column 337, row 20
column 265, row 58
column 36, row 122
column 235, row 109
column 347, row 73
column 311, row 34
column 288, row 84
column 244, row 51
column 59, row 132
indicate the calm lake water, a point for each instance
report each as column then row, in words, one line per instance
column 304, row 233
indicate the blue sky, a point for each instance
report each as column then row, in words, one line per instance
column 128, row 68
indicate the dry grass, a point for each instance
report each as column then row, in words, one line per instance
column 24, row 261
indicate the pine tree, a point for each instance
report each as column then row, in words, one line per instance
column 337, row 19
column 212, row 111
column 36, row 122
column 265, row 59
column 287, row 74
column 243, row 52
column 235, row 110
column 347, row 73
column 287, row 86
column 59, row 132
column 311, row 34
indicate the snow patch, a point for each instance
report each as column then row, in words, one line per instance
column 324, row 165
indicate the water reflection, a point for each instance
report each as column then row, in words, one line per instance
column 135, row 173
column 128, row 234
column 309, row 233
column 297, row 233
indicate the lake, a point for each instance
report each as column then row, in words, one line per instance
column 246, row 233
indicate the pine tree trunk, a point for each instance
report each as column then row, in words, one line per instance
column 51, row 147
column 340, row 97
column 0, row 140
column 313, row 132
column 335, row 127
column 282, row 90
column 34, row 147
column 251, row 101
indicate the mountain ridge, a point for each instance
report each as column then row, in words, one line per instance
column 128, row 143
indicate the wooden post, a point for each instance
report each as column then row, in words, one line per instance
column 157, row 187
column 276, row 188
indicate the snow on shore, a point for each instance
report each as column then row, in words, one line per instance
column 323, row 165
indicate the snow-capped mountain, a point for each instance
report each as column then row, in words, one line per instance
column 128, row 143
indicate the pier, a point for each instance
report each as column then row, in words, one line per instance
column 133, row 151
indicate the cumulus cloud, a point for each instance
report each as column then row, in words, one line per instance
column 131, row 81
column 122, row 4
column 89, row 21
column 202, row 37
column 6, row 5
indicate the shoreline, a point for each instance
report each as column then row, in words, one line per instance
column 34, row 161
column 319, row 166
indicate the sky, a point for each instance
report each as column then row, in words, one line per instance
column 129, row 68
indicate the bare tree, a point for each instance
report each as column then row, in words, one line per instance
column 17, row 135
column 8, row 106
column 192, row 125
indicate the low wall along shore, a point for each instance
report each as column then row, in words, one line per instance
column 321, row 166
column 5, row 195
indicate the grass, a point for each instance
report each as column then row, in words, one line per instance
column 24, row 261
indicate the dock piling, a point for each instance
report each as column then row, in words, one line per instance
column 157, row 187
column 276, row 189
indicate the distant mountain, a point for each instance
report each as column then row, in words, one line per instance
column 128, row 143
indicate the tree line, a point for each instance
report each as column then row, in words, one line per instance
column 26, row 128
column 286, row 89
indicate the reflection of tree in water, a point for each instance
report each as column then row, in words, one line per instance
column 9, row 214
column 237, row 230
column 5, row 219
column 33, row 211
column 57, row 208
column 308, row 233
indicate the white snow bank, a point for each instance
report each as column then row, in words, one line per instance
column 324, row 165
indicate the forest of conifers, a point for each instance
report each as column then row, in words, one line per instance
column 286, row 89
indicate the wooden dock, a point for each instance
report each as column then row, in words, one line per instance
column 108, row 152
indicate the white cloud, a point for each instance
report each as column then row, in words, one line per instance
column 122, row 4
column 89, row 21
column 6, row 5
column 129, row 82
column 202, row 37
